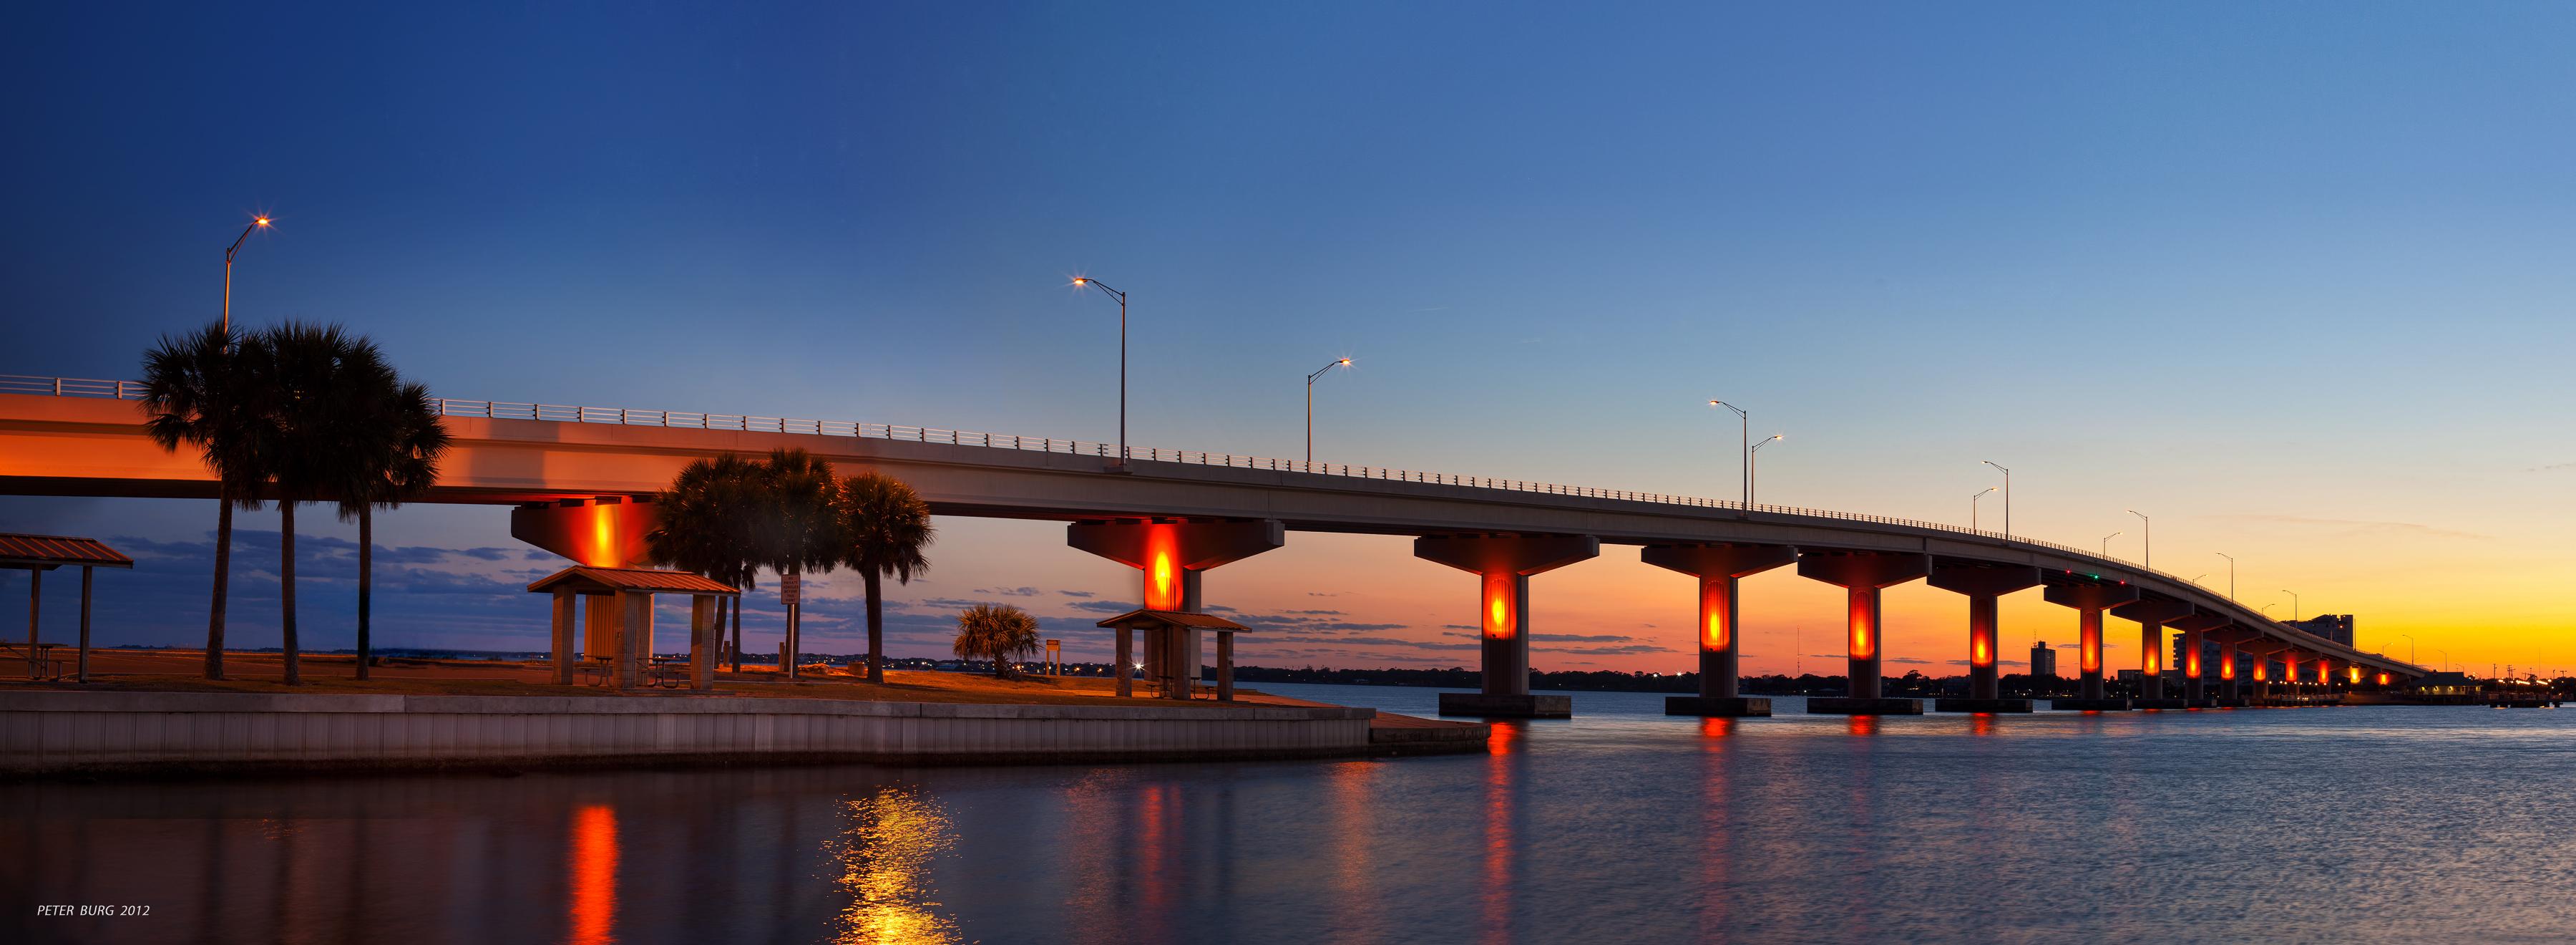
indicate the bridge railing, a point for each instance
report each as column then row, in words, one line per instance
column 623, row 416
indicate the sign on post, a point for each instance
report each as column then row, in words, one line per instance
column 787, row 588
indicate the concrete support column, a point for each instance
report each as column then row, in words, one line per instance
column 1861, row 575
column 2152, row 614
column 635, row 637
column 1169, row 557
column 2089, row 601
column 1503, row 565
column 1126, row 657
column 1984, row 585
column 1718, row 567
column 2195, row 639
column 703, row 641
column 2229, row 690
column 566, row 603
column 1225, row 666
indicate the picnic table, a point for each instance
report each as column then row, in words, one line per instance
column 670, row 672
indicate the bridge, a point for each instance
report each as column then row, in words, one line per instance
column 579, row 478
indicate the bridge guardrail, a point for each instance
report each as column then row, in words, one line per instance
column 508, row 410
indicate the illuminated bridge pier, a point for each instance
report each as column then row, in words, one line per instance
column 1503, row 565
column 1983, row 584
column 1169, row 556
column 1861, row 575
column 2151, row 614
column 1718, row 568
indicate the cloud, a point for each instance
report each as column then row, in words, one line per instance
column 1009, row 591
column 2353, row 528
column 1077, row 593
column 1633, row 649
column 2554, row 467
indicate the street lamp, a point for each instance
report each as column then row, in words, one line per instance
column 1081, row 281
column 2231, row 574
column 256, row 223
column 2146, row 541
column 2410, row 646
column 1753, row 467
column 1310, row 406
column 2294, row 605
column 1972, row 508
column 2007, row 496
column 1744, row 437
column 2266, row 610
column 2106, row 544
column 2446, row 658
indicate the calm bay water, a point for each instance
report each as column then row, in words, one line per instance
column 1621, row 825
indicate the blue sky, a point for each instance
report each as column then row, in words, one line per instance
column 2279, row 274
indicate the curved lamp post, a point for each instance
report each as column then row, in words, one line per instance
column 256, row 223
column 1972, row 507
column 1310, row 405
column 2146, row 541
column 2231, row 573
column 2007, row 496
column 1081, row 281
column 1753, row 467
column 1743, row 448
column 2294, row 604
column 2106, row 544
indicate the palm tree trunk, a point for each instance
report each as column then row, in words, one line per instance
column 223, row 581
column 366, row 578
column 286, row 586
column 876, row 626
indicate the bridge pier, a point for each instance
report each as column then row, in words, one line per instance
column 2228, row 687
column 2194, row 628
column 1983, row 584
column 1862, row 575
column 1504, row 563
column 2089, row 601
column 1718, row 567
column 2151, row 615
column 1169, row 556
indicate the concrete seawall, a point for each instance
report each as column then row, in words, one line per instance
column 182, row 733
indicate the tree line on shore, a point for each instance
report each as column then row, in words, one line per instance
column 1913, row 683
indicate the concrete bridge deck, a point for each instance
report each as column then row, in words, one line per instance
column 524, row 453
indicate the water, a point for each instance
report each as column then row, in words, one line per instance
column 1622, row 825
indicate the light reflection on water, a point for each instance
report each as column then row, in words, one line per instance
column 893, row 838
column 1621, row 825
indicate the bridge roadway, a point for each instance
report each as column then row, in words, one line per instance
column 562, row 461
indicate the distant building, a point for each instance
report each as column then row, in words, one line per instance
column 2336, row 627
column 2043, row 661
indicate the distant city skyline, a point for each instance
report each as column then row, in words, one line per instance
column 2290, row 282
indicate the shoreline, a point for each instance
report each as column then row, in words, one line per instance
column 52, row 734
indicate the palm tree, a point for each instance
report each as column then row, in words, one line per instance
column 799, row 529
column 396, row 461
column 309, row 373
column 708, row 526
column 997, row 632
column 198, row 394
column 884, row 526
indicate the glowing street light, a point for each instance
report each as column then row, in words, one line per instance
column 1753, row 467
column 1744, row 449
column 2106, row 543
column 1972, row 507
column 1310, row 405
column 2231, row 574
column 1079, row 282
column 256, row 223
column 2007, row 496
